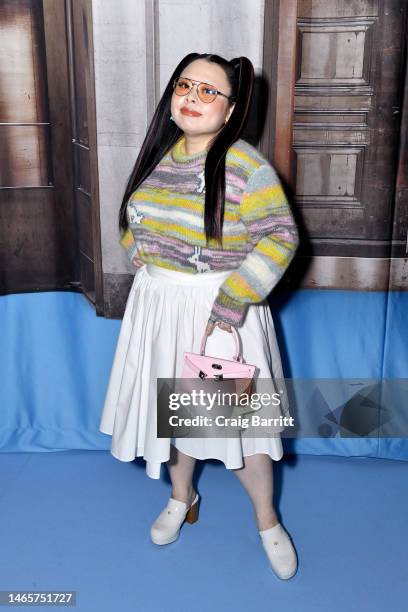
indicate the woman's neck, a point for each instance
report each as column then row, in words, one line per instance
column 196, row 144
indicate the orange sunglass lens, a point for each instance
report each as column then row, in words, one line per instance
column 182, row 86
column 204, row 95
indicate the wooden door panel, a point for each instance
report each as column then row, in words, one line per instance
column 333, row 54
column 25, row 156
column 349, row 60
column 37, row 240
column 337, row 141
column 336, row 8
column 49, row 206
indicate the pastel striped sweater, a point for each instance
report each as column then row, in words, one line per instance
column 166, row 225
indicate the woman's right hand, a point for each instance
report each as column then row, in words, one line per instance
column 138, row 262
column 210, row 327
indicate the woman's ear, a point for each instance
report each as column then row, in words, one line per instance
column 229, row 113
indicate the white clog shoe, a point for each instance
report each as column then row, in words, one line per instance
column 280, row 551
column 166, row 527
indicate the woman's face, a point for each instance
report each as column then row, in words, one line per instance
column 212, row 115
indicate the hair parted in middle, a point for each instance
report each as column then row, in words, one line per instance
column 163, row 134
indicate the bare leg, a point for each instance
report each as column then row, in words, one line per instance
column 181, row 470
column 257, row 479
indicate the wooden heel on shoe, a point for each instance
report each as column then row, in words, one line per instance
column 192, row 514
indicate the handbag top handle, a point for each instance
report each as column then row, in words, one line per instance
column 238, row 354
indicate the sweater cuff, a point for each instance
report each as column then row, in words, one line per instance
column 228, row 310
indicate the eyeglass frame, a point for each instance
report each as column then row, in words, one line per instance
column 196, row 83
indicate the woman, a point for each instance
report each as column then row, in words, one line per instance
column 206, row 222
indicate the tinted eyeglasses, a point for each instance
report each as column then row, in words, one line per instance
column 206, row 92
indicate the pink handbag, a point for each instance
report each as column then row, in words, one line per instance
column 209, row 367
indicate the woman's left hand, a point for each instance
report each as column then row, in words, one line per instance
column 221, row 324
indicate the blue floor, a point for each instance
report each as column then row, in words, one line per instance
column 79, row 520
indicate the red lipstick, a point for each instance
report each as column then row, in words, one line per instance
column 191, row 113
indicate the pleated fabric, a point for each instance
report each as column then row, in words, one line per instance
column 166, row 314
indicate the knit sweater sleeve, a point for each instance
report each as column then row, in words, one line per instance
column 266, row 214
column 128, row 243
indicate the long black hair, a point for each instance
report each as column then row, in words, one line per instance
column 163, row 134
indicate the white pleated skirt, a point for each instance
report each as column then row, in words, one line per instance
column 166, row 314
